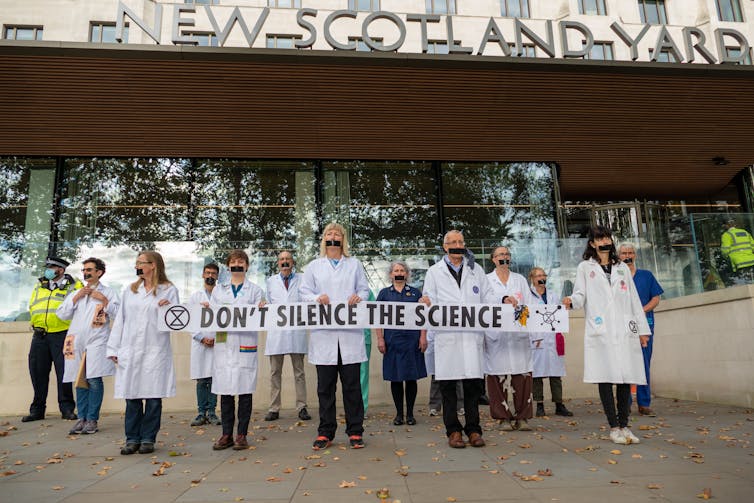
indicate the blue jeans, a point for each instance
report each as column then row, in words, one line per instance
column 643, row 393
column 143, row 420
column 206, row 401
column 89, row 400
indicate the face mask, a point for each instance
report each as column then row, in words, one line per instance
column 541, row 281
column 237, row 268
column 50, row 274
column 284, row 265
column 399, row 277
column 628, row 260
column 604, row 248
column 504, row 261
column 210, row 281
column 456, row 251
column 139, row 272
column 88, row 276
column 332, row 242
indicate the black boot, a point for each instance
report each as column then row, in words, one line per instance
column 561, row 410
column 540, row 409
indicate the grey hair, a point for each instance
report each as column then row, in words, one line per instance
column 626, row 245
column 402, row 264
column 452, row 231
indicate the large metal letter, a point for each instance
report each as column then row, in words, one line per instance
column 300, row 44
column 382, row 47
column 665, row 41
column 236, row 16
column 423, row 20
column 452, row 47
column 493, row 34
column 178, row 21
column 584, row 30
column 123, row 11
column 350, row 46
column 688, row 32
column 743, row 45
column 522, row 29
column 630, row 42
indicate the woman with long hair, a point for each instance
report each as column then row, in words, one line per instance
column 144, row 372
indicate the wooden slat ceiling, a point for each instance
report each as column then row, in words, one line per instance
column 617, row 130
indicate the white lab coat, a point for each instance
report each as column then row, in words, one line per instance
column 145, row 357
column 547, row 362
column 457, row 354
column 201, row 355
column 87, row 338
column 508, row 353
column 234, row 370
column 614, row 320
column 339, row 283
column 285, row 342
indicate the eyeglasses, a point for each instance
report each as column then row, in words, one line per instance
column 88, row 269
column 142, row 262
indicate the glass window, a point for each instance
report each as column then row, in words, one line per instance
column 202, row 2
column 514, row 8
column 665, row 56
column 437, row 47
column 734, row 52
column 592, row 7
column 291, row 4
column 528, row 50
column 281, row 42
column 600, row 50
column 23, row 32
column 652, row 12
column 441, row 6
column 362, row 46
column 364, row 5
column 104, row 33
column 204, row 39
column 729, row 10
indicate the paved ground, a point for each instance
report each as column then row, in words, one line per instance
column 689, row 447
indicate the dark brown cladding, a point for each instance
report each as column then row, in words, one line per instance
column 621, row 129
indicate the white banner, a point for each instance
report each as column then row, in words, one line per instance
column 398, row 315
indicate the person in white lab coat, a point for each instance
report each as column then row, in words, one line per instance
column 144, row 372
column 548, row 349
column 616, row 329
column 235, row 364
column 336, row 277
column 202, row 354
column 90, row 310
column 509, row 354
column 283, row 288
column 458, row 355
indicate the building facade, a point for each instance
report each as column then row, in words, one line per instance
column 195, row 127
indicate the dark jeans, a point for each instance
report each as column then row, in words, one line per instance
column 45, row 351
column 623, row 394
column 556, row 389
column 206, row 401
column 143, row 420
column 353, row 403
column 472, row 390
column 228, row 413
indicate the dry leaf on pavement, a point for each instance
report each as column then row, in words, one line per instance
column 343, row 484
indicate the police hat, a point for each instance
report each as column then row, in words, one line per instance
column 57, row 262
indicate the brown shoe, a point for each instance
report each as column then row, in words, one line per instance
column 646, row 411
column 223, row 443
column 476, row 440
column 240, row 443
column 455, row 440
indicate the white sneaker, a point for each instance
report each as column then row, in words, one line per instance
column 616, row 435
column 433, row 412
column 629, row 435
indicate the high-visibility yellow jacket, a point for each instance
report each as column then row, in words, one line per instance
column 738, row 246
column 44, row 302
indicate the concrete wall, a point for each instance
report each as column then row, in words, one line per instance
column 704, row 350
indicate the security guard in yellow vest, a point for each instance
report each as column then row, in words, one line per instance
column 49, row 336
column 738, row 245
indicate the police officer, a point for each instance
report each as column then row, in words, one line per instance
column 738, row 246
column 49, row 334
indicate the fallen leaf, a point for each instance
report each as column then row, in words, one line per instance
column 54, row 461
column 705, row 494
column 494, row 472
column 288, row 470
column 617, row 452
column 531, row 478
column 3, row 433
column 224, row 489
column 400, row 452
column 307, row 493
column 636, row 456
column 161, row 470
column 616, row 482
column 238, row 498
column 525, row 462
column 343, row 484
column 545, row 473
column 19, row 462
column 273, row 479
column 383, row 493
column 109, row 458
column 525, row 446
column 8, row 473
column 654, row 486
column 361, row 477
column 451, row 499
column 612, row 461
column 57, row 488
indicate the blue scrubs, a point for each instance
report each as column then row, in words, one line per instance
column 647, row 287
column 403, row 360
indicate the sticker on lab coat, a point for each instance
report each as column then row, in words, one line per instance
column 476, row 289
column 598, row 320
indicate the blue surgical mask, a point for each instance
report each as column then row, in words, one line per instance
column 50, row 274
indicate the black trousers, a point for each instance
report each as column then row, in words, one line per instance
column 45, row 351
column 327, row 384
column 623, row 394
column 472, row 390
column 228, row 413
